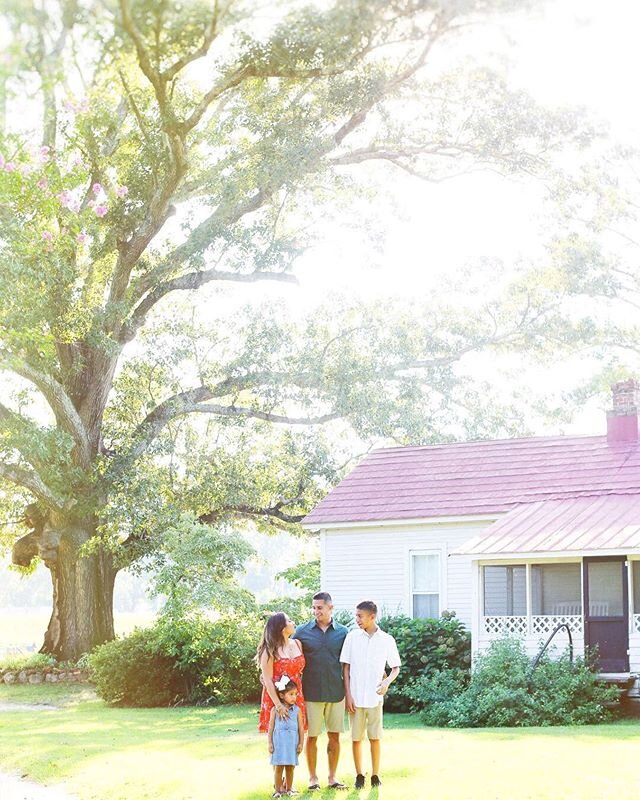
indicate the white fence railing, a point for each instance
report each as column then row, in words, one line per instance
column 540, row 624
column 502, row 625
column 545, row 624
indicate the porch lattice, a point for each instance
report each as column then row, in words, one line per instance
column 505, row 625
column 545, row 624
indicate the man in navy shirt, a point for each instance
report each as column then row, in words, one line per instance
column 322, row 684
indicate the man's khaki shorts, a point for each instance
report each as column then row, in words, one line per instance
column 369, row 719
column 331, row 713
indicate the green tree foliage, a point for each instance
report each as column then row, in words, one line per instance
column 185, row 145
column 305, row 576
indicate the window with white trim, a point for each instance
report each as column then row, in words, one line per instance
column 425, row 585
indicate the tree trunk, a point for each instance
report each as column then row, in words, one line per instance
column 82, row 614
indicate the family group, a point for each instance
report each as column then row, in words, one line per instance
column 312, row 675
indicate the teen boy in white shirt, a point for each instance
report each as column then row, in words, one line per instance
column 365, row 654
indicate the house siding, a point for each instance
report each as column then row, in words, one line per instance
column 374, row 563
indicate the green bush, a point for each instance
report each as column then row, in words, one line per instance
column 133, row 672
column 216, row 659
column 426, row 646
column 31, row 661
column 345, row 618
column 185, row 660
column 503, row 692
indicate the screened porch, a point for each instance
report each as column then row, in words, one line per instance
column 532, row 598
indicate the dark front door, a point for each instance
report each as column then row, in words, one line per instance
column 606, row 607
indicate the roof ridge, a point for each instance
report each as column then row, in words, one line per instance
column 474, row 442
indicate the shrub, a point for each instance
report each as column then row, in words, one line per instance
column 426, row 646
column 185, row 660
column 345, row 618
column 216, row 659
column 133, row 672
column 31, row 661
column 502, row 692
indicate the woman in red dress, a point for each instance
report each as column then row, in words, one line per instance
column 279, row 655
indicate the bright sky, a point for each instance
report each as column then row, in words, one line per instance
column 579, row 52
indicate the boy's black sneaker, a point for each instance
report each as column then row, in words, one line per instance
column 359, row 782
column 375, row 781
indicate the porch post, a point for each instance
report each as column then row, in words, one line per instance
column 528, row 597
column 476, row 607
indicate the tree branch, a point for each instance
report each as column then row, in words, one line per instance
column 274, row 512
column 10, row 417
column 209, row 35
column 192, row 280
column 57, row 398
column 32, row 482
column 143, row 56
column 193, row 401
column 245, row 411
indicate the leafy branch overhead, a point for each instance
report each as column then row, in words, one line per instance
column 183, row 147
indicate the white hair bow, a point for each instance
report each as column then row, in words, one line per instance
column 284, row 680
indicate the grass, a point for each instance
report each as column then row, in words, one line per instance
column 103, row 753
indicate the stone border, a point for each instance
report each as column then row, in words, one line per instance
column 43, row 675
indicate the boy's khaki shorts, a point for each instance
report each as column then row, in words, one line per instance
column 332, row 714
column 369, row 719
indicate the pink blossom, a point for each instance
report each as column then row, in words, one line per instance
column 10, row 166
column 81, row 237
column 96, row 188
column 122, row 191
column 100, row 210
column 1, row 161
column 43, row 183
column 45, row 151
column 47, row 236
column 83, row 105
column 66, row 201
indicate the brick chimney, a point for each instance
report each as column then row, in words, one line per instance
column 622, row 420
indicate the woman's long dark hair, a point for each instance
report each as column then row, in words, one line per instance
column 272, row 637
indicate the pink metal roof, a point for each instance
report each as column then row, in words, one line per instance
column 484, row 477
column 604, row 522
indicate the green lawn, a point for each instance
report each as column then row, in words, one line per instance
column 200, row 754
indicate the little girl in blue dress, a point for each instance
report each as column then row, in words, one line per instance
column 285, row 738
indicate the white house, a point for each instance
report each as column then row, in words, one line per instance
column 514, row 536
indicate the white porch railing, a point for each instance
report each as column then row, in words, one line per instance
column 545, row 624
column 540, row 625
column 636, row 623
column 501, row 625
